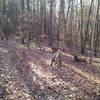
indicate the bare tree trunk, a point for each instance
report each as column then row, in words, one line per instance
column 92, row 35
column 62, row 25
column 81, row 31
column 97, row 28
column 1, row 14
column 92, row 40
column 86, row 32
column 37, row 22
column 58, row 33
column 71, row 23
column 28, row 22
column 50, row 25
column 22, row 2
column 69, row 6
column 45, row 19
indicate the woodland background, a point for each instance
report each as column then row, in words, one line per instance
column 28, row 30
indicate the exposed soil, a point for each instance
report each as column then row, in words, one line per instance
column 28, row 76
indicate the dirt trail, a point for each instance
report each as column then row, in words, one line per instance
column 30, row 77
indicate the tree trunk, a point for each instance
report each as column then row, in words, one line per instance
column 92, row 35
column 81, row 31
column 22, row 21
column 50, row 25
column 97, row 28
column 62, row 25
column 86, row 32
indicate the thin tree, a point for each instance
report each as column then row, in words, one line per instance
column 22, row 19
column 92, row 35
column 97, row 28
column 81, row 30
column 62, row 25
column 88, row 21
column 50, row 24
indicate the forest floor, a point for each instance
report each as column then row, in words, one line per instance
column 29, row 77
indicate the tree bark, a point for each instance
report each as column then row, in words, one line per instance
column 97, row 28
column 81, row 30
column 86, row 32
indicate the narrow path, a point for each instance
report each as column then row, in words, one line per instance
column 31, row 77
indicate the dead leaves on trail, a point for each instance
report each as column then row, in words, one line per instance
column 33, row 79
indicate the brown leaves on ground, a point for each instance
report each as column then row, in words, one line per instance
column 25, row 74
